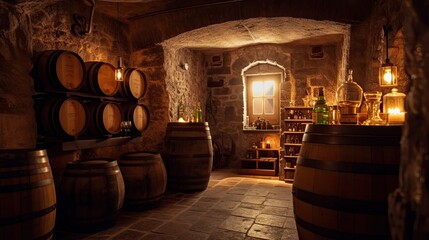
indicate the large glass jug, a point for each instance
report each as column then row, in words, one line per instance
column 349, row 95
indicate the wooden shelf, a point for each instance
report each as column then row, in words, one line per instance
column 292, row 144
column 261, row 130
column 264, row 162
column 289, row 124
column 292, row 132
column 97, row 143
column 81, row 95
column 305, row 120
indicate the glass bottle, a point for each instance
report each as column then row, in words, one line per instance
column 263, row 124
column 180, row 110
column 349, row 95
column 320, row 109
column 198, row 114
column 258, row 123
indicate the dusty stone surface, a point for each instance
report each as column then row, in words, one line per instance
column 17, row 116
column 408, row 206
column 252, row 31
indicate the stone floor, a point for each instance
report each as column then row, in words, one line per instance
column 232, row 207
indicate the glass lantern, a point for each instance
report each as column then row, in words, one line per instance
column 349, row 95
column 394, row 105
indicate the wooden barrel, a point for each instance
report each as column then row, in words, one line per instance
column 91, row 195
column 62, row 117
column 59, row 70
column 343, row 177
column 188, row 156
column 145, row 179
column 100, row 79
column 138, row 114
column 27, row 195
column 105, row 118
column 134, row 85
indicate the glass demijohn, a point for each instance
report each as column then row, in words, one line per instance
column 349, row 95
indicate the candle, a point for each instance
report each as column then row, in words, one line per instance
column 396, row 117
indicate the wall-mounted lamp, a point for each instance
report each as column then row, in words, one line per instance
column 388, row 73
column 184, row 66
column 80, row 28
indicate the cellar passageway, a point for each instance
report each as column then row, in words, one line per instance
column 232, row 207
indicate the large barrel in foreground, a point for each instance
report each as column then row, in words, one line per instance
column 343, row 177
column 188, row 156
column 27, row 195
column 91, row 195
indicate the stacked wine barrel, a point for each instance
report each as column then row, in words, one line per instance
column 77, row 99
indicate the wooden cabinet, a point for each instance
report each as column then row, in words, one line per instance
column 293, row 130
column 260, row 161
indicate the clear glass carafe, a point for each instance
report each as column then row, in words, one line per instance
column 349, row 95
column 372, row 101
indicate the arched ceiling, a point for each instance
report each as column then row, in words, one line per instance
column 278, row 30
column 228, row 23
column 233, row 23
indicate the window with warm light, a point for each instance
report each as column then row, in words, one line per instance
column 263, row 97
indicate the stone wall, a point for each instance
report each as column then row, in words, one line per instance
column 409, row 204
column 186, row 81
column 368, row 49
column 33, row 27
column 17, row 121
column 303, row 74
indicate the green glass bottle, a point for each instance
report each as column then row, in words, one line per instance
column 320, row 110
column 180, row 110
column 198, row 114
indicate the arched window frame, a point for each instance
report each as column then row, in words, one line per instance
column 250, row 74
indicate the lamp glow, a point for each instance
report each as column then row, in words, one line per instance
column 119, row 71
column 388, row 73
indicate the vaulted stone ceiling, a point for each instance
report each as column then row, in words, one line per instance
column 233, row 23
column 228, row 23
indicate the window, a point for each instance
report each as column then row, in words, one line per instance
column 262, row 97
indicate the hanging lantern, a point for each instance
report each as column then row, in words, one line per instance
column 388, row 72
column 119, row 71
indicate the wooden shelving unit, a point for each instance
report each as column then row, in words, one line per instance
column 293, row 131
column 260, row 161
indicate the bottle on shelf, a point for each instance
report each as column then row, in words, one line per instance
column 258, row 123
column 320, row 109
column 290, row 115
column 263, row 124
